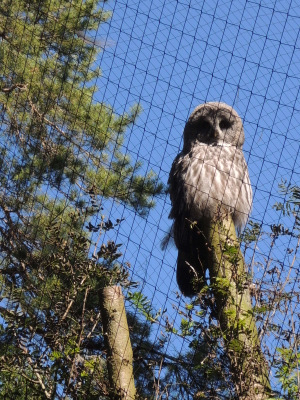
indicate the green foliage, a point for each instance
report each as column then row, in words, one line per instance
column 143, row 305
column 61, row 155
column 53, row 329
column 203, row 370
column 147, row 354
column 186, row 327
column 291, row 207
column 251, row 232
column 54, row 312
column 60, row 135
column 287, row 367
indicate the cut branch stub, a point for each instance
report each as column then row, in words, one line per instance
column 117, row 343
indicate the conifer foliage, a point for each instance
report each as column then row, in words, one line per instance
column 61, row 154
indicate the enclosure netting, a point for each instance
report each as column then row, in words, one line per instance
column 159, row 59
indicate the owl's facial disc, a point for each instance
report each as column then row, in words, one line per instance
column 213, row 124
column 212, row 131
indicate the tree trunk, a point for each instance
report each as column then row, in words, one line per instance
column 117, row 343
column 230, row 285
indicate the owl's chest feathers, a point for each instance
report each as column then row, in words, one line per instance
column 204, row 162
column 209, row 176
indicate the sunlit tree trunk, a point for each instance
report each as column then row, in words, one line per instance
column 230, row 284
column 117, row 343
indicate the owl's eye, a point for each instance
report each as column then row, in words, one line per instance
column 225, row 124
column 203, row 126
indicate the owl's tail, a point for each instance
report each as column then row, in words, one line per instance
column 190, row 271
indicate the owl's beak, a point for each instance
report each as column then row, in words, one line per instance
column 215, row 133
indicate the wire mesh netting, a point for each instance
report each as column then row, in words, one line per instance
column 94, row 99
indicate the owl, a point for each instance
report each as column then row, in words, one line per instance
column 208, row 178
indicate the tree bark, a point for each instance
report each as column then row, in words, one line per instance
column 117, row 343
column 230, row 285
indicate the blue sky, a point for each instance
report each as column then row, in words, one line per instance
column 170, row 56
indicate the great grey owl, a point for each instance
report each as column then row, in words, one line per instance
column 209, row 176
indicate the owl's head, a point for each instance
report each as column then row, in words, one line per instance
column 214, row 123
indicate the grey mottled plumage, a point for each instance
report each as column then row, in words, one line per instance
column 209, row 176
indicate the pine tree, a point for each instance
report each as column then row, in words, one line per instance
column 61, row 155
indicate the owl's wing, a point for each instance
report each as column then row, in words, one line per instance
column 176, row 187
column 180, row 206
column 191, row 262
